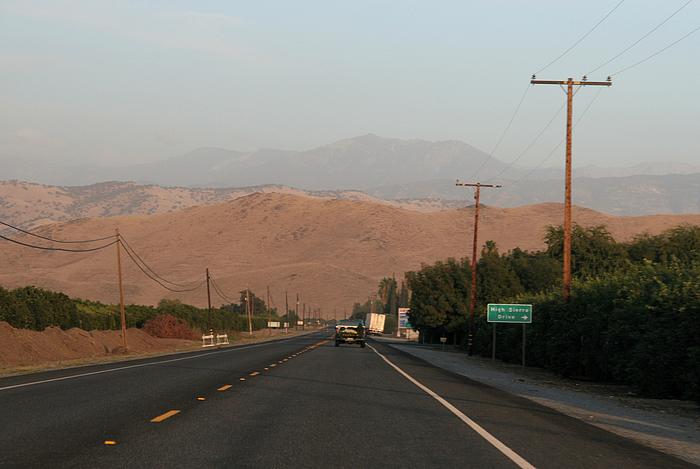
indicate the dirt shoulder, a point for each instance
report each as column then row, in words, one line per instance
column 26, row 351
column 671, row 426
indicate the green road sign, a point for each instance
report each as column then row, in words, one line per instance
column 509, row 313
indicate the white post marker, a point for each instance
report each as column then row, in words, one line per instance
column 208, row 340
column 509, row 453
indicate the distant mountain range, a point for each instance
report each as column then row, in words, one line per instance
column 413, row 172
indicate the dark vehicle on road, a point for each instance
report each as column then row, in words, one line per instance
column 350, row 331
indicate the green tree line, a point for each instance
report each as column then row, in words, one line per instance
column 36, row 308
column 633, row 317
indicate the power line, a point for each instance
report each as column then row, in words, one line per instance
column 46, row 248
column 549, row 155
column 532, row 143
column 657, row 52
column 641, row 38
column 155, row 279
column 219, row 290
column 56, row 240
column 128, row 247
column 581, row 38
column 503, row 134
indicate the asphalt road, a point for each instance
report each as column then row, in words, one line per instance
column 318, row 406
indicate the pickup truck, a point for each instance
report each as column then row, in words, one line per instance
column 350, row 331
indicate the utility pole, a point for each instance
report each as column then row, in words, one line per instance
column 286, row 311
column 269, row 312
column 472, row 291
column 208, row 301
column 122, row 313
column 248, row 310
column 570, row 83
column 296, row 314
column 303, row 318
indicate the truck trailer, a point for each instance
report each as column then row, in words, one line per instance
column 375, row 323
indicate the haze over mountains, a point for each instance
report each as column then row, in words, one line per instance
column 393, row 169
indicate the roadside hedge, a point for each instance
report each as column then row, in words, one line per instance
column 633, row 317
column 36, row 308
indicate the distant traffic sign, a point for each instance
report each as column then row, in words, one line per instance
column 403, row 318
column 521, row 314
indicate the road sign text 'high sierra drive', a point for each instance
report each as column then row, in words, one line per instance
column 509, row 313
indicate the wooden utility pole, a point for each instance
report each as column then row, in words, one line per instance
column 122, row 313
column 269, row 311
column 303, row 317
column 286, row 311
column 296, row 314
column 248, row 310
column 570, row 83
column 208, row 301
column 472, row 291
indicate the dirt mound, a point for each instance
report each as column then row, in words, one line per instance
column 23, row 347
column 333, row 252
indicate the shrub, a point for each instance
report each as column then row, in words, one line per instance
column 166, row 326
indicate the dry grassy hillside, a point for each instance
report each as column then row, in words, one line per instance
column 332, row 251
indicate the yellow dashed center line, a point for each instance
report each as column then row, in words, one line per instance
column 110, row 442
column 241, row 379
column 200, row 398
column 225, row 387
column 273, row 365
column 164, row 416
column 255, row 373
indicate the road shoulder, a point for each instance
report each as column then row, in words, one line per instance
column 677, row 435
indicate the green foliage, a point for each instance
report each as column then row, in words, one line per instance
column 634, row 314
column 440, row 295
column 593, row 250
column 496, row 277
column 36, row 308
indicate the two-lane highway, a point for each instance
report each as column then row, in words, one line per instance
column 298, row 402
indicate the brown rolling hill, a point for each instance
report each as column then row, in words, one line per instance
column 331, row 251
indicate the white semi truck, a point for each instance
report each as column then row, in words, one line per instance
column 375, row 323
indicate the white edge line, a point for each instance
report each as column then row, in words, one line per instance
column 139, row 365
column 509, row 453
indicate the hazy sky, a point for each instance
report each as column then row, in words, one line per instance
column 130, row 81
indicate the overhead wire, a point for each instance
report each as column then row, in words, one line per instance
column 503, row 134
column 581, row 38
column 156, row 279
column 693, row 31
column 48, row 248
column 219, row 290
column 81, row 241
column 127, row 246
column 646, row 35
column 530, row 145
column 561, row 142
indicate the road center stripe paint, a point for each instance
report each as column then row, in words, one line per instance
column 139, row 365
column 165, row 416
column 509, row 453
column 255, row 373
column 225, row 387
